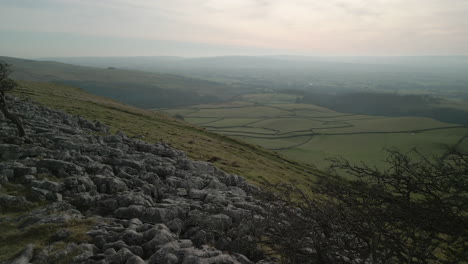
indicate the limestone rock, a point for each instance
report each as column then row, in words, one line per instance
column 149, row 202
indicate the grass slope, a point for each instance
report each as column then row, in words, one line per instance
column 229, row 154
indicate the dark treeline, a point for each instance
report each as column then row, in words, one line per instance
column 386, row 104
column 141, row 95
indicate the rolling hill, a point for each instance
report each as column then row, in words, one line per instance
column 142, row 89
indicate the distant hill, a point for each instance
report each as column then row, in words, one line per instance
column 143, row 89
column 436, row 75
column 269, row 61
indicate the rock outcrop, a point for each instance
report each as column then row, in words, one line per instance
column 150, row 203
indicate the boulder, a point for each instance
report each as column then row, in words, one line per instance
column 47, row 185
column 9, row 152
column 25, row 256
column 121, row 256
column 60, row 167
column 135, row 260
column 109, row 185
column 197, row 194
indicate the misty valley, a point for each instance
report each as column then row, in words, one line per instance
column 308, row 109
column 271, row 160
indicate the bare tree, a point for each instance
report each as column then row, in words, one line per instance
column 415, row 211
column 7, row 84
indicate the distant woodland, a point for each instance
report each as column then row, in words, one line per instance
column 386, row 104
column 141, row 95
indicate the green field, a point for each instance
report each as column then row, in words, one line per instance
column 312, row 134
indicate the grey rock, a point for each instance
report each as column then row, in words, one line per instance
column 134, row 198
column 131, row 237
column 3, row 179
column 43, row 195
column 137, row 250
column 47, row 185
column 223, row 243
column 60, row 167
column 134, row 224
column 83, row 201
column 181, row 192
column 117, row 245
column 9, row 152
column 81, row 258
column 109, row 185
column 10, row 202
column 159, row 215
column 106, row 205
column 133, row 211
column 219, row 222
column 121, row 256
column 88, row 247
column 25, row 256
column 159, row 235
column 129, row 186
column 242, row 259
column 20, row 170
column 135, row 260
column 61, row 234
column 79, row 184
column 216, row 198
column 225, row 259
column 200, row 238
column 110, row 251
column 175, row 225
column 41, row 257
column 236, row 191
column 198, row 194
column 216, row 184
column 27, row 179
column 164, row 259
column 8, row 173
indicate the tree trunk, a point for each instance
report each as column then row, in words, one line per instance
column 12, row 117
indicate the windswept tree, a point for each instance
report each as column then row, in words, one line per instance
column 7, row 84
column 415, row 211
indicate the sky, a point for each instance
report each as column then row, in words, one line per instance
column 53, row 28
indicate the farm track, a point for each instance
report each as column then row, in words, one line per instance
column 277, row 132
column 209, row 122
column 341, row 134
column 349, row 133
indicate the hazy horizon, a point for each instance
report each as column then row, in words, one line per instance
column 200, row 28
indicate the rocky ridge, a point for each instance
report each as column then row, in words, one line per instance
column 149, row 202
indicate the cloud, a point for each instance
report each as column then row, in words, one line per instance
column 333, row 26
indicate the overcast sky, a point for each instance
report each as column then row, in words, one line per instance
column 40, row 28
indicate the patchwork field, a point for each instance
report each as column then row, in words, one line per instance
column 234, row 156
column 312, row 134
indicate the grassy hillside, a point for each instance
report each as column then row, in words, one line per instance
column 229, row 154
column 138, row 88
column 310, row 133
